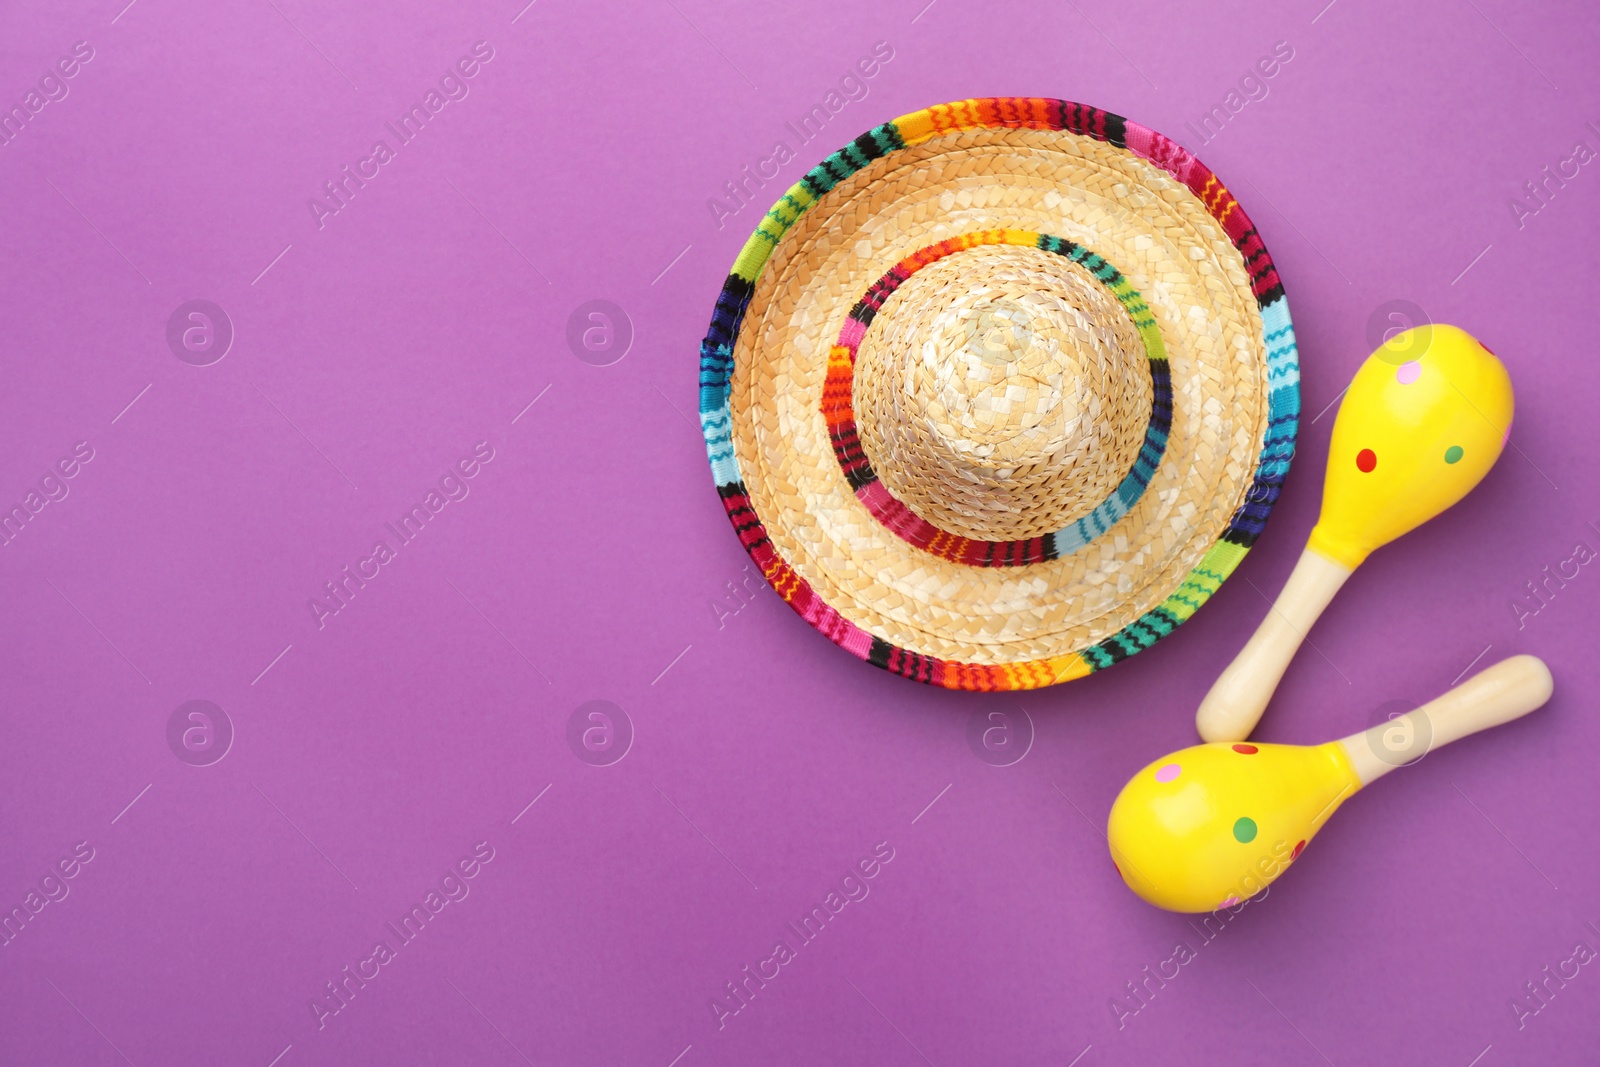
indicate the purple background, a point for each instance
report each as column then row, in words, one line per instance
column 425, row 716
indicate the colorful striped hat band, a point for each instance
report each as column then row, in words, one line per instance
column 1001, row 392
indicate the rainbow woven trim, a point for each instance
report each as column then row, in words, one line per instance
column 838, row 411
column 1283, row 374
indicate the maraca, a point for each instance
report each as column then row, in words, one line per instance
column 1211, row 825
column 1421, row 424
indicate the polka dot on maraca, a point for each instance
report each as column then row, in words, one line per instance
column 1244, row 831
column 1453, row 454
column 1168, row 772
column 1229, row 901
column 1408, row 372
column 1301, row 847
column 1366, row 460
column 1246, row 750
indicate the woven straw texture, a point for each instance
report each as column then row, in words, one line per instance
column 1001, row 392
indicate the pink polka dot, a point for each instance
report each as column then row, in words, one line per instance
column 1408, row 372
column 1229, row 902
column 1168, row 772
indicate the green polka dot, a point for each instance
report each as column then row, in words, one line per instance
column 1245, row 830
column 1453, row 454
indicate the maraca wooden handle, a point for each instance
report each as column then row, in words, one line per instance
column 1240, row 696
column 1508, row 690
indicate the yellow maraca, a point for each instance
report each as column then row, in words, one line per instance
column 1214, row 824
column 1421, row 424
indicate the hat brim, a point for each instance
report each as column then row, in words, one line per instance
column 1053, row 167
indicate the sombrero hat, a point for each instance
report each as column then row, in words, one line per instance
column 999, row 393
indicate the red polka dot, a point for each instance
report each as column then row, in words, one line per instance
column 1248, row 750
column 1296, row 853
column 1366, row 459
column 1119, row 869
